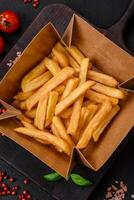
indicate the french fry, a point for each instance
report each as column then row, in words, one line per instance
column 31, row 126
column 27, row 125
column 60, row 89
column 54, row 58
column 97, row 133
column 37, row 82
column 61, row 48
column 31, row 114
column 73, row 64
column 70, row 86
column 62, row 59
column 82, row 122
column 62, row 131
column 34, row 73
column 100, row 98
column 92, row 111
column 66, row 113
column 22, row 117
column 50, row 85
column 53, row 98
column 102, row 78
column 47, row 137
column 56, row 133
column 87, row 113
column 54, row 130
column 52, row 66
column 93, row 124
column 74, row 121
column 71, row 60
column 67, row 101
column 76, row 53
column 109, row 91
column 23, row 105
column 40, row 117
column 22, row 96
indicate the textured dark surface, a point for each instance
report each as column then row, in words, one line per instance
column 101, row 14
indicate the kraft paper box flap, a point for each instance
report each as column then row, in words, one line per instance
column 128, row 85
column 39, row 47
column 10, row 111
column 110, row 59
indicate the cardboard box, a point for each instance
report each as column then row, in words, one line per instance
column 108, row 58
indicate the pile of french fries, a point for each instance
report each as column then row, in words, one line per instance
column 64, row 102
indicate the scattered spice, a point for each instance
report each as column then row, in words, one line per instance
column 116, row 191
column 26, row 181
column 35, row 3
column 7, row 188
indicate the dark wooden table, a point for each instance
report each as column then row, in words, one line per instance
column 103, row 14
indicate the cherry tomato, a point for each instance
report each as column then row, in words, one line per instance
column 2, row 45
column 9, row 21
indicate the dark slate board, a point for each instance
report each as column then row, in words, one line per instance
column 22, row 160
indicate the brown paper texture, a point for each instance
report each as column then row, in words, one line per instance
column 107, row 57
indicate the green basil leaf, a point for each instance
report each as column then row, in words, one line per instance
column 52, row 177
column 79, row 180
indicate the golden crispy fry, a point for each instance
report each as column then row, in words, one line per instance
column 100, row 98
column 109, row 91
column 102, row 78
column 54, row 130
column 56, row 133
column 34, row 73
column 70, row 86
column 85, row 113
column 67, row 101
column 31, row 113
column 62, row 59
column 52, row 66
column 27, row 125
column 53, row 98
column 60, row 89
column 41, row 112
column 93, row 124
column 76, row 53
column 59, row 47
column 66, row 113
column 22, row 96
column 37, row 82
column 74, row 121
column 97, row 133
column 47, row 137
column 50, row 85
column 62, row 131
column 22, row 117
column 92, row 111
column 23, row 105
column 73, row 64
column 54, row 58
column 72, row 61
